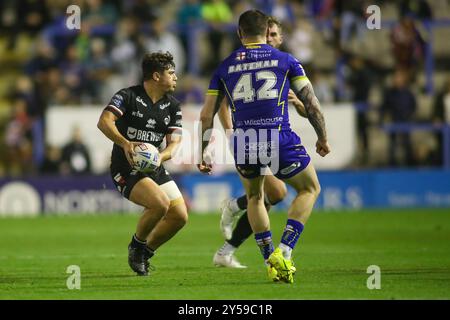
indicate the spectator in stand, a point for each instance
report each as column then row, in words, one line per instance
column 399, row 106
column 141, row 10
column 7, row 18
column 352, row 17
column 62, row 97
column 127, row 50
column 30, row 16
column 51, row 164
column 75, row 156
column 25, row 88
column 441, row 116
column 283, row 11
column 55, row 91
column 189, row 92
column 322, row 87
column 162, row 39
column 299, row 42
column 73, row 73
column 408, row 45
column 19, row 149
column 99, row 13
column 96, row 14
column 188, row 15
column 43, row 59
column 217, row 14
column 318, row 8
column 38, row 68
column 324, row 11
column 419, row 8
column 82, row 41
column 99, row 68
column 360, row 82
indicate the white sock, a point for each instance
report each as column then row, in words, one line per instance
column 233, row 205
column 227, row 249
column 286, row 250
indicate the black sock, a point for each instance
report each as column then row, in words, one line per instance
column 242, row 202
column 267, row 203
column 241, row 231
column 138, row 243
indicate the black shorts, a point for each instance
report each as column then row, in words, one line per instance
column 125, row 179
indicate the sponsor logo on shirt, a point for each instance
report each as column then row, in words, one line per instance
column 137, row 114
column 166, row 120
column 151, row 123
column 117, row 100
column 139, row 99
column 119, row 179
column 259, row 122
column 164, row 105
column 144, row 135
column 260, row 55
column 131, row 132
column 240, row 56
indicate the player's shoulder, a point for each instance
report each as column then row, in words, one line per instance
column 290, row 58
column 283, row 54
column 134, row 90
column 128, row 92
column 235, row 56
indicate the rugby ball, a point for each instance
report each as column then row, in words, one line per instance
column 146, row 157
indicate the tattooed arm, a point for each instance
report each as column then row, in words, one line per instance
column 315, row 117
column 312, row 107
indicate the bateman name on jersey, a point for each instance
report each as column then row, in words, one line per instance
column 252, row 66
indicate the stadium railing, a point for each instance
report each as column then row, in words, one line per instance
column 443, row 129
column 409, row 127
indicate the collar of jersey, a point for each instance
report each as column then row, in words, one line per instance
column 252, row 44
column 150, row 100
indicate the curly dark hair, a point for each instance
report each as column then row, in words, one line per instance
column 156, row 62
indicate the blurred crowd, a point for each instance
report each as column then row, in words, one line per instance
column 71, row 67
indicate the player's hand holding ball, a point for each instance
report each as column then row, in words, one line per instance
column 128, row 149
column 146, row 157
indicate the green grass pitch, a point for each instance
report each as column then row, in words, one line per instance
column 411, row 247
